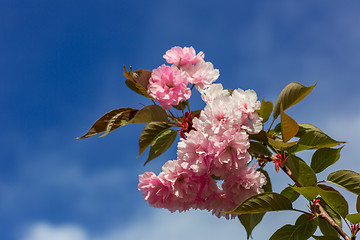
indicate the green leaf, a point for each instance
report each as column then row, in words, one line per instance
column 161, row 143
column 250, row 221
column 293, row 93
column 279, row 144
column 324, row 226
column 283, row 233
column 358, row 204
column 150, row 113
column 301, row 171
column 324, row 158
column 138, row 81
column 290, row 193
column 263, row 202
column 267, row 187
column 181, row 106
column 326, row 238
column 148, row 134
column 260, row 137
column 334, row 215
column 354, row 218
column 316, row 140
column 327, row 229
column 289, row 127
column 265, row 110
column 346, row 179
column 309, row 193
column 111, row 121
column 303, row 229
column 306, row 127
column 257, row 148
column 335, row 200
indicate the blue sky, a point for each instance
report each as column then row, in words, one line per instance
column 61, row 68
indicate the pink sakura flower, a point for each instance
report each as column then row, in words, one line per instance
column 154, row 189
column 245, row 183
column 202, row 74
column 182, row 56
column 168, row 85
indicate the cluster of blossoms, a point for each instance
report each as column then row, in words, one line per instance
column 169, row 84
column 216, row 147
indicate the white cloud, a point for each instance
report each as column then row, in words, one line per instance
column 45, row 231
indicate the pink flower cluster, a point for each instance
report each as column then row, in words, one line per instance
column 216, row 149
column 169, row 84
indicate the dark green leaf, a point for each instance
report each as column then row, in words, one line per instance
column 181, row 106
column 263, row 202
column 148, row 134
column 161, row 143
column 250, row 221
column 334, row 215
column 257, row 148
column 324, row 158
column 358, row 204
column 354, row 218
column 293, row 93
column 305, row 227
column 265, row 110
column 289, row 127
column 267, row 187
column 347, row 179
column 335, row 200
column 111, row 121
column 327, row 229
column 326, row 238
column 301, row 171
column 308, row 192
column 260, row 137
column 150, row 113
column 290, row 193
column 283, row 233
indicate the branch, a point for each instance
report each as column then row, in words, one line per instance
column 325, row 215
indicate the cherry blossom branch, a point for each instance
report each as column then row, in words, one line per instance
column 323, row 214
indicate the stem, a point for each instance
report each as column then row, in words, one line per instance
column 271, row 125
column 325, row 215
column 289, row 173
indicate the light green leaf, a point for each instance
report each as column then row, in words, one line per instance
column 335, row 200
column 346, row 179
column 265, row 110
column 250, row 221
column 354, row 218
column 289, row 127
column 161, row 143
column 111, row 121
column 293, row 93
column 334, row 215
column 316, row 140
column 150, row 113
column 279, row 144
column 309, row 193
column 263, row 202
column 301, row 171
column 306, row 127
column 324, row 158
column 290, row 193
column 148, row 134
